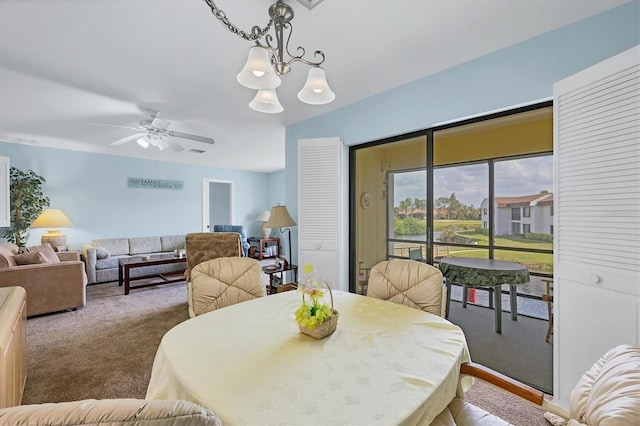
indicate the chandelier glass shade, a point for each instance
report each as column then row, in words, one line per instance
column 266, row 63
column 266, row 100
column 257, row 72
column 316, row 90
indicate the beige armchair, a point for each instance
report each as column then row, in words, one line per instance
column 409, row 282
column 113, row 412
column 54, row 281
column 225, row 281
column 607, row 394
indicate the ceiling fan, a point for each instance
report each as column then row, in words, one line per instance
column 155, row 131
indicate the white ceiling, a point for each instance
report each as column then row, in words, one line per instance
column 64, row 63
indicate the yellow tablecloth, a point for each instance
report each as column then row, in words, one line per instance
column 385, row 364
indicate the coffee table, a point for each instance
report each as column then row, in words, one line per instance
column 126, row 264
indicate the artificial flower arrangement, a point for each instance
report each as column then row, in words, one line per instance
column 315, row 318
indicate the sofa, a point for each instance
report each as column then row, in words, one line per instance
column 54, row 281
column 101, row 256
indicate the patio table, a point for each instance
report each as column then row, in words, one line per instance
column 488, row 274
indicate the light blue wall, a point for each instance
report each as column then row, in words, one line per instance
column 92, row 190
column 520, row 74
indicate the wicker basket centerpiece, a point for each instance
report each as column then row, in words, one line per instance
column 314, row 317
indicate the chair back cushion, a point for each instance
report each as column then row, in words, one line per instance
column 235, row 228
column 203, row 246
column 609, row 393
column 113, row 412
column 225, row 281
column 407, row 282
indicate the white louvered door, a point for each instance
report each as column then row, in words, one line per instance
column 5, row 219
column 597, row 215
column 320, row 208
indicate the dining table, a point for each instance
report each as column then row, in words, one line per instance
column 385, row 364
column 489, row 274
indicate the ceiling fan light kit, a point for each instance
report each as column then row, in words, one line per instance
column 266, row 63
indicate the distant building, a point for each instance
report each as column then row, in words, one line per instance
column 520, row 215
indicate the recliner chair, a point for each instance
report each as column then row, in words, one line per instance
column 240, row 230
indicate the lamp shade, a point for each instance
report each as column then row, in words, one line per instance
column 266, row 100
column 257, row 72
column 264, row 216
column 316, row 90
column 52, row 218
column 279, row 218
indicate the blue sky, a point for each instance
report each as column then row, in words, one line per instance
column 523, row 176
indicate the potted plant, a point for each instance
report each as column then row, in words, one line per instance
column 26, row 202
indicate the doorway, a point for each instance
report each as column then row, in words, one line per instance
column 217, row 203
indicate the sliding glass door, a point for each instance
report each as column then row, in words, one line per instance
column 481, row 188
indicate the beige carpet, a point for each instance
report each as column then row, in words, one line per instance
column 106, row 350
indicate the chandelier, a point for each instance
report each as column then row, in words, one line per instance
column 267, row 63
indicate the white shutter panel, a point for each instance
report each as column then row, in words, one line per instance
column 319, row 207
column 597, row 215
column 599, row 174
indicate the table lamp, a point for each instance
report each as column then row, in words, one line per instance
column 264, row 217
column 280, row 218
column 53, row 219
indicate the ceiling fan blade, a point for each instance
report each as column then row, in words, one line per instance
column 202, row 139
column 127, row 139
column 174, row 145
column 114, row 125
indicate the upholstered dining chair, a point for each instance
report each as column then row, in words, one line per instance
column 607, row 394
column 410, row 283
column 203, row 246
column 225, row 281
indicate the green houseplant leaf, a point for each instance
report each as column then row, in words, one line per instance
column 26, row 202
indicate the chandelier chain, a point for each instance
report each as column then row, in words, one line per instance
column 256, row 33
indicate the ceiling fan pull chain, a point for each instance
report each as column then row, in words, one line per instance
column 256, row 32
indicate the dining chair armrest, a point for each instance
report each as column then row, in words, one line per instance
column 504, row 382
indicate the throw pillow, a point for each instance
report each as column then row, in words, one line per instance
column 47, row 252
column 11, row 247
column 30, row 258
column 102, row 253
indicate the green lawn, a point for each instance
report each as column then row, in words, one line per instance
column 536, row 262
column 508, row 241
column 440, row 224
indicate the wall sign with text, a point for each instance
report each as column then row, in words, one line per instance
column 149, row 183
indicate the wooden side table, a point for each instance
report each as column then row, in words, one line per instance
column 271, row 271
column 262, row 244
